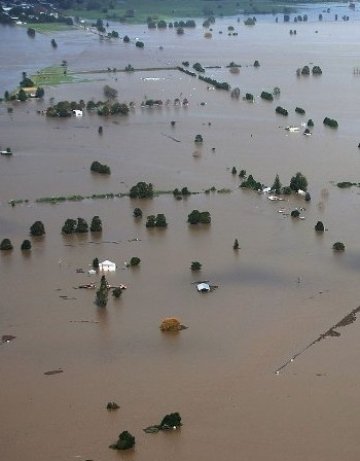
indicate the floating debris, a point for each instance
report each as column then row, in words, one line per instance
column 7, row 338
column 54, row 372
column 169, row 422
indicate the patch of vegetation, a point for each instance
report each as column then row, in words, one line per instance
column 199, row 217
column 97, row 167
column 125, row 441
column 267, row 96
column 280, row 110
column 298, row 181
column 6, row 245
column 332, row 123
column 300, row 110
column 37, row 229
column 196, row 266
column 156, row 221
column 345, row 184
column 102, row 293
column 251, row 183
column 338, row 246
column 319, row 227
column 134, row 261
column 142, row 190
column 51, row 76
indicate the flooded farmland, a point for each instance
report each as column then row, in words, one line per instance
column 283, row 288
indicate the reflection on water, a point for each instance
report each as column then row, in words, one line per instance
column 276, row 294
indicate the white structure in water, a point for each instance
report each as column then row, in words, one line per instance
column 78, row 113
column 107, row 266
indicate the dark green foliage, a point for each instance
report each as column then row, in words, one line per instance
column 316, row 70
column 139, row 44
column 110, row 93
column 69, row 226
column 235, row 93
column 345, row 184
column 22, row 96
column 249, row 97
column 250, row 183
column 249, row 22
column 276, row 187
column 280, row 110
column 26, row 82
column 319, row 227
column 112, row 406
column 40, row 92
column 305, row 70
column 100, row 130
column 236, row 244
column 6, row 245
column 61, row 109
column 298, row 182
column 150, row 221
column 171, row 420
column 134, row 261
column 242, row 174
column 82, row 226
column 96, row 224
column 95, row 263
column 126, row 39
column 142, row 190
column 267, row 96
column 162, row 24
column 156, row 221
column 198, row 67
column 330, row 122
column 37, row 229
column 299, row 110
column 310, row 123
column 198, row 139
column 137, row 213
column 195, row 266
column 307, row 197
column 26, row 245
column 295, row 213
column 31, row 32
column 215, row 83
column 233, row 170
column 102, row 293
column 180, row 30
column 125, row 441
column 53, row 43
column 338, row 246
column 117, row 292
column 185, row 63
column 100, row 168
column 286, row 190
column 197, row 217
column 129, row 68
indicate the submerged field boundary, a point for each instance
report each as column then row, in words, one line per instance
column 331, row 332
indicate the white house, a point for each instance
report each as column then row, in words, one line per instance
column 203, row 287
column 78, row 113
column 107, row 266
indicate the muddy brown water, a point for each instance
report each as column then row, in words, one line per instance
column 281, row 290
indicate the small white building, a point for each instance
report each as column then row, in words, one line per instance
column 78, row 113
column 107, row 266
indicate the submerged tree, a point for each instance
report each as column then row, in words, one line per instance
column 69, row 226
column 6, row 245
column 125, row 441
column 195, row 266
column 96, row 224
column 319, row 227
column 102, row 293
column 276, row 187
column 236, row 244
column 298, row 182
column 26, row 245
column 37, row 229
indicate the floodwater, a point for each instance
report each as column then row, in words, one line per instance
column 277, row 294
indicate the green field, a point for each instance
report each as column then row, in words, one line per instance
column 48, row 27
column 160, row 9
column 51, row 76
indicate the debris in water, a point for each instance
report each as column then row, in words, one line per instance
column 7, row 338
column 54, row 372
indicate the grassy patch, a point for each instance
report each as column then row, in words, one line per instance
column 51, row 76
column 48, row 27
column 162, row 9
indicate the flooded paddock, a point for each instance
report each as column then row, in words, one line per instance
column 278, row 293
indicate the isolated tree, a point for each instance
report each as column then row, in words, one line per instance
column 125, row 441
column 6, row 245
column 26, row 245
column 236, row 244
column 39, row 92
column 160, row 220
column 110, row 93
column 338, row 246
column 95, row 263
column 298, row 182
column 195, row 266
column 102, row 293
column 37, row 229
column 233, row 170
column 150, row 221
column 82, row 226
column 276, row 187
column 134, row 261
column 295, row 213
column 96, row 224
column 319, row 227
column 117, row 292
column 137, row 213
column 69, row 226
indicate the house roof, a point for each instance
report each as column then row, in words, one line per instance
column 107, row 263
